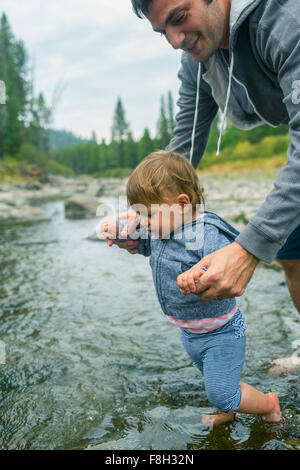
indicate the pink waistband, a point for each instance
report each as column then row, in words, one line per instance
column 204, row 325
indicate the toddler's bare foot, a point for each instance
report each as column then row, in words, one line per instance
column 274, row 416
column 216, row 420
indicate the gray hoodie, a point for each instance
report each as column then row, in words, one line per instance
column 264, row 57
column 171, row 257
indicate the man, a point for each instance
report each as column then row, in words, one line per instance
column 241, row 56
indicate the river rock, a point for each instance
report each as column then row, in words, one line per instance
column 96, row 236
column 19, row 212
column 81, row 206
column 285, row 365
column 33, row 186
column 7, row 198
column 95, row 189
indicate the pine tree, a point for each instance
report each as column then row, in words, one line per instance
column 120, row 127
column 145, row 145
column 163, row 135
column 39, row 119
column 24, row 117
column 130, row 153
column 171, row 119
column 13, row 61
column 120, row 130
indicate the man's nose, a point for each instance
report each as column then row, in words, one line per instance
column 175, row 37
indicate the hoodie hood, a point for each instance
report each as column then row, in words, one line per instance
column 221, row 224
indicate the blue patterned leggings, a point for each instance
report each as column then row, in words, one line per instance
column 219, row 355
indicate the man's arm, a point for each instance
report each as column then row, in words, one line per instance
column 279, row 46
column 207, row 110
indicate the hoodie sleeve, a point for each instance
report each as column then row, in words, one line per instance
column 207, row 110
column 278, row 43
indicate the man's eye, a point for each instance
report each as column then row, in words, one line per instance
column 178, row 19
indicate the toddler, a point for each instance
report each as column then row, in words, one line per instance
column 176, row 234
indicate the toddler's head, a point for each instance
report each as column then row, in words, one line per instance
column 165, row 189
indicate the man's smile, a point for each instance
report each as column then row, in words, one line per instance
column 194, row 46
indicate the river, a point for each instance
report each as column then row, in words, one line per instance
column 92, row 363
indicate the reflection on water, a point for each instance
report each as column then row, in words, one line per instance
column 91, row 362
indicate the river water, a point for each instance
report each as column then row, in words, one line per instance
column 92, row 363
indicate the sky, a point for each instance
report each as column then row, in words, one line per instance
column 86, row 53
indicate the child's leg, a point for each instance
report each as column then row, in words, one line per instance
column 216, row 420
column 220, row 356
column 255, row 402
column 252, row 402
column 222, row 367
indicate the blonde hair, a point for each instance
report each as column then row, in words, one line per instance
column 162, row 176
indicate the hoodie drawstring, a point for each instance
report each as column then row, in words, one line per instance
column 224, row 114
column 196, row 113
column 226, row 105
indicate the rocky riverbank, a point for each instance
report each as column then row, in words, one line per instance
column 235, row 197
column 23, row 201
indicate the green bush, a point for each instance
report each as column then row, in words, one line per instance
column 30, row 154
column 115, row 173
column 267, row 148
column 243, row 150
column 10, row 162
column 58, row 169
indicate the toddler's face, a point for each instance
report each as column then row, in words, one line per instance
column 163, row 219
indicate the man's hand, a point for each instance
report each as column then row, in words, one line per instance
column 229, row 270
column 109, row 229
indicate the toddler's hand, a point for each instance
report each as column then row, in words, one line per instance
column 188, row 281
column 109, row 229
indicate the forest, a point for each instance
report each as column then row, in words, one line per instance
column 29, row 146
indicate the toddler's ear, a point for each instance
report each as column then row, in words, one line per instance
column 182, row 199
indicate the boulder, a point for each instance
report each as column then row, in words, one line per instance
column 95, row 189
column 81, row 206
column 7, row 198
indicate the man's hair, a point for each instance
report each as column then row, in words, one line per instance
column 140, row 7
column 161, row 177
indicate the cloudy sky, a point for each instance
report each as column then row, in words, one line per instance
column 94, row 51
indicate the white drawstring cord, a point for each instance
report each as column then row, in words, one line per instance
column 196, row 113
column 226, row 106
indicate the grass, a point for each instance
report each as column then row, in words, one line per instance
column 269, row 166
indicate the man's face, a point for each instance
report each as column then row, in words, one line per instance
column 192, row 25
